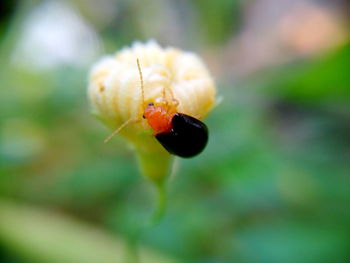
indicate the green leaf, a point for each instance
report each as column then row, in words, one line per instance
column 42, row 236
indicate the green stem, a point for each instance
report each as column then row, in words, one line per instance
column 159, row 211
column 155, row 218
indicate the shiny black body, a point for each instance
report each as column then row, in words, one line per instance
column 187, row 138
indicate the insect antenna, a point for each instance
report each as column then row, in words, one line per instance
column 117, row 130
column 141, row 79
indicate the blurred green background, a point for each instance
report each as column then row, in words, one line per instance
column 273, row 184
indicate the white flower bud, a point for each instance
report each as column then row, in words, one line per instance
column 171, row 77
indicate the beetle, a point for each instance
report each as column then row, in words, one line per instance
column 179, row 133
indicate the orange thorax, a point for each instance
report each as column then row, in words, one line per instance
column 158, row 118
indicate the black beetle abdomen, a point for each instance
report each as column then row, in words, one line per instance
column 187, row 137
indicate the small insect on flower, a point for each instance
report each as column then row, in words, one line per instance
column 176, row 93
column 178, row 133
